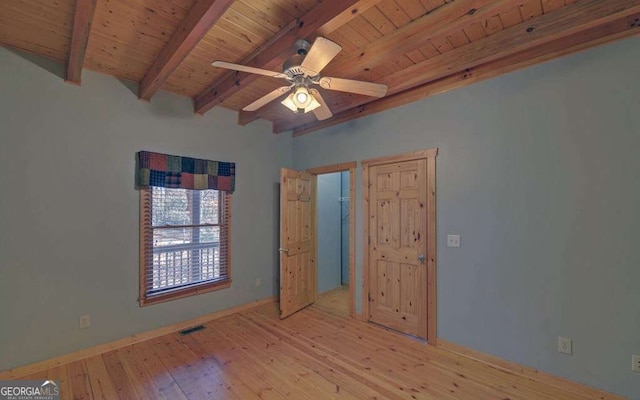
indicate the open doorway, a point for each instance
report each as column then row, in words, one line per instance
column 333, row 241
column 335, row 237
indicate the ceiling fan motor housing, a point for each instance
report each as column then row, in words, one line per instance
column 291, row 67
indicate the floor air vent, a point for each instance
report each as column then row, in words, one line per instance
column 192, row 329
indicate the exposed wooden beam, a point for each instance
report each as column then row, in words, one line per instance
column 442, row 21
column 79, row 39
column 346, row 16
column 577, row 42
column 247, row 117
column 561, row 23
column 271, row 56
column 202, row 16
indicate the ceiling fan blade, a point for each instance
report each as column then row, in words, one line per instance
column 323, row 112
column 351, row 86
column 267, row 98
column 319, row 55
column 251, row 70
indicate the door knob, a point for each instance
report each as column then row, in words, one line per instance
column 283, row 250
column 421, row 257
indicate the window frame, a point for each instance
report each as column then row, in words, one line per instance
column 144, row 299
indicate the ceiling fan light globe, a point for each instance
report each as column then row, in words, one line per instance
column 302, row 98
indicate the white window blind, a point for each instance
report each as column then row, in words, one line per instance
column 184, row 243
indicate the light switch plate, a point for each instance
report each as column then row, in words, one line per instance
column 453, row 240
column 635, row 363
column 84, row 321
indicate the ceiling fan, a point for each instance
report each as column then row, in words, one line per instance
column 302, row 71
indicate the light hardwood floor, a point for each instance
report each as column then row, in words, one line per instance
column 318, row 353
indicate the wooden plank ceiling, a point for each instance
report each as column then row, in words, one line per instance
column 417, row 47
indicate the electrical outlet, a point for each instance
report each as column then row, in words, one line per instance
column 84, row 321
column 453, row 240
column 635, row 363
column 258, row 282
column 565, row 345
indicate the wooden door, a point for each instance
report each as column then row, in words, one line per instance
column 398, row 246
column 297, row 260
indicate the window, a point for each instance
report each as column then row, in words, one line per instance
column 184, row 243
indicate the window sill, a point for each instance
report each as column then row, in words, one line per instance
column 188, row 292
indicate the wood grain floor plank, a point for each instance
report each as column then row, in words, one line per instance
column 234, row 385
column 237, row 372
column 136, row 371
column 60, row 374
column 285, row 361
column 276, row 375
column 333, row 360
column 247, row 370
column 383, row 370
column 79, row 380
column 317, row 321
column 322, row 329
column 317, row 353
column 161, row 376
column 123, row 385
column 196, row 379
column 318, row 366
column 101, row 385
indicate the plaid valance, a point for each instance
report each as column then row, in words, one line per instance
column 163, row 170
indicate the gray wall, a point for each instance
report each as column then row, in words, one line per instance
column 539, row 171
column 69, row 211
column 344, row 227
column 328, row 232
